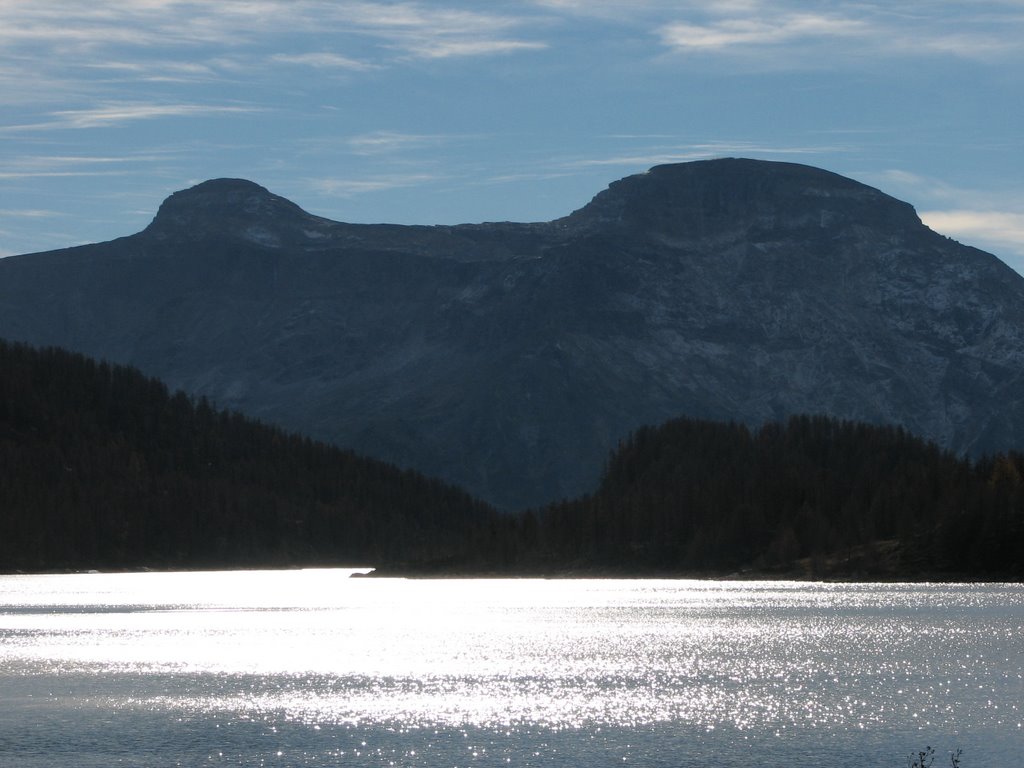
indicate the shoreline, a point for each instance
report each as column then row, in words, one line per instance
column 436, row 572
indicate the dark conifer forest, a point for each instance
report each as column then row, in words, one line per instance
column 809, row 497
column 102, row 468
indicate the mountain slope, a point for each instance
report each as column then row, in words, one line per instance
column 101, row 467
column 810, row 496
column 510, row 358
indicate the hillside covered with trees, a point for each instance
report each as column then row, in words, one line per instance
column 102, row 467
column 812, row 496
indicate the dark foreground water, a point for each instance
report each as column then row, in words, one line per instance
column 311, row 668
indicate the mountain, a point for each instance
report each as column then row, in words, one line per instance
column 512, row 358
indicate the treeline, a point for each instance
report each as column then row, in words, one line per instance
column 102, row 467
column 811, row 496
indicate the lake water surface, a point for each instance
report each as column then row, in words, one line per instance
column 312, row 668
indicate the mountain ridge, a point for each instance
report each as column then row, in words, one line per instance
column 510, row 358
column 717, row 191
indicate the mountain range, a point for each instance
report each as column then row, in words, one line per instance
column 511, row 358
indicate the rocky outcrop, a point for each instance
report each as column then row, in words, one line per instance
column 510, row 358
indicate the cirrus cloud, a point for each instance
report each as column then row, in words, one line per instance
column 732, row 32
column 111, row 114
column 991, row 29
column 349, row 187
column 323, row 60
column 1003, row 230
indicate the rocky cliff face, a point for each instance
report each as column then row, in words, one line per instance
column 510, row 358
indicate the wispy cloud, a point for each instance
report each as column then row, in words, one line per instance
column 73, row 166
column 89, row 31
column 931, row 193
column 640, row 11
column 154, row 71
column 29, row 213
column 427, row 31
column 443, row 49
column 66, row 64
column 984, row 218
column 112, row 114
column 798, row 33
column 391, row 142
column 349, row 187
column 732, row 32
column 517, row 178
column 848, row 29
column 59, row 174
column 992, row 228
column 50, row 161
column 324, row 60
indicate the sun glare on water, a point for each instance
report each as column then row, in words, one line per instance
column 317, row 649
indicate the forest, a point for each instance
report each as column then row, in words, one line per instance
column 102, row 467
column 809, row 497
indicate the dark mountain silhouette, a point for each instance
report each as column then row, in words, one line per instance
column 511, row 358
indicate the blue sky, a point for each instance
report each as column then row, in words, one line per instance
column 448, row 112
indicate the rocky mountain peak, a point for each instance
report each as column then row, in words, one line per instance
column 233, row 207
column 510, row 358
column 703, row 198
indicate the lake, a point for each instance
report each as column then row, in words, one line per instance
column 313, row 668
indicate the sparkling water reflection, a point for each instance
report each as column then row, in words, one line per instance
column 314, row 668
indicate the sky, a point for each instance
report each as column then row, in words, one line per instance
column 445, row 112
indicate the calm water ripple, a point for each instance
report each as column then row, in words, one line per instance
column 312, row 668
